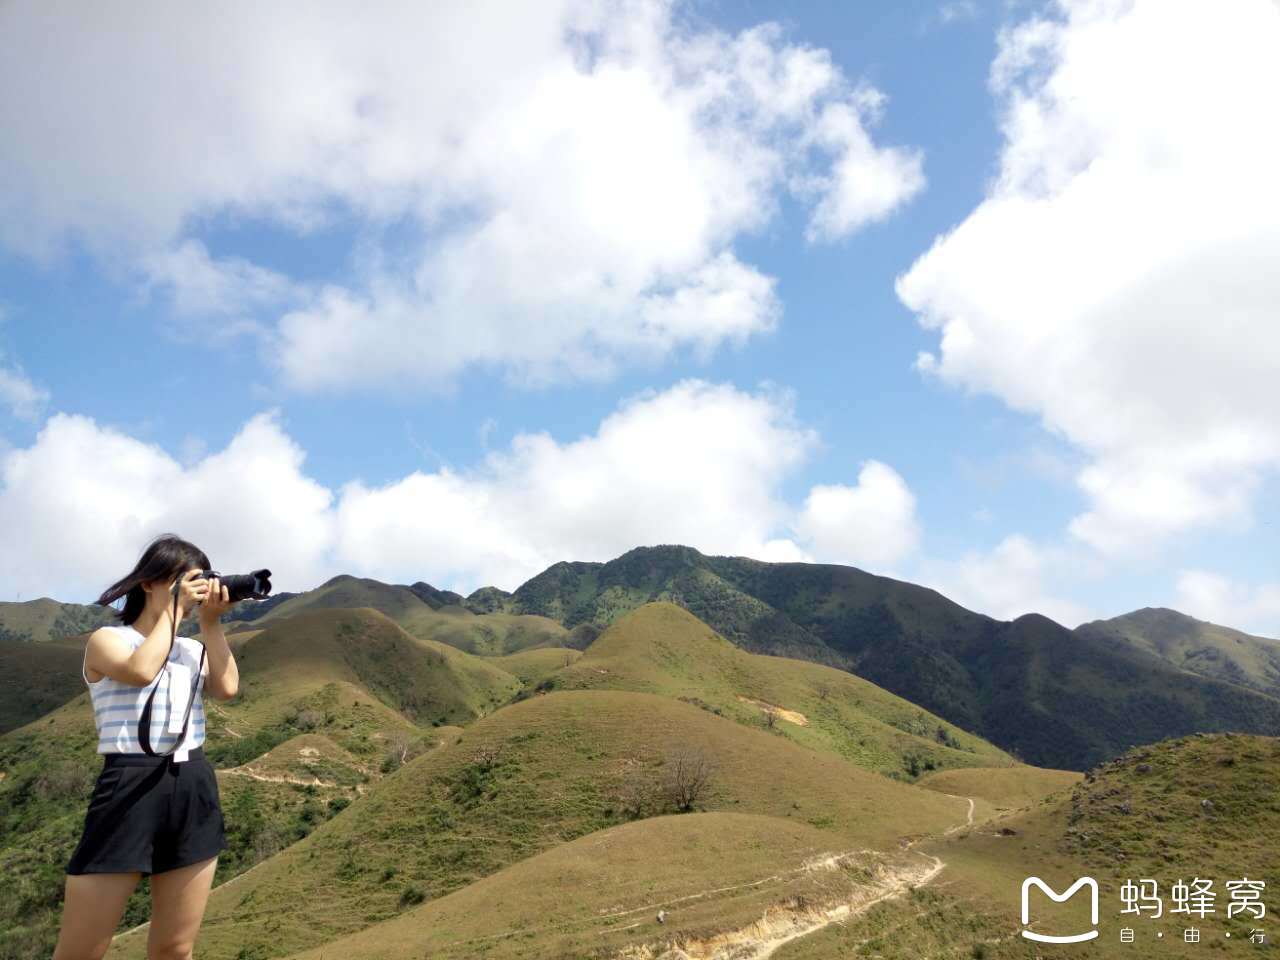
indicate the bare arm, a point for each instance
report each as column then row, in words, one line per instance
column 222, row 681
column 107, row 653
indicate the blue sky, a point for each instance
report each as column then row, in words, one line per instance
column 452, row 299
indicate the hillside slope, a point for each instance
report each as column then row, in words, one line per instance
column 1055, row 697
column 42, row 620
column 1195, row 807
column 536, row 774
column 36, row 678
column 489, row 634
column 347, row 592
column 662, row 648
column 1219, row 653
column 599, row 895
column 429, row 682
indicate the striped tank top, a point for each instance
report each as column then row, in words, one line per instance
column 117, row 706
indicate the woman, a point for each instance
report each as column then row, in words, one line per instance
column 155, row 814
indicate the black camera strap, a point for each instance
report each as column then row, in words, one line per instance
column 144, row 724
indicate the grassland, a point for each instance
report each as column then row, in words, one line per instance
column 662, row 648
column 1197, row 646
column 448, row 783
column 352, row 678
column 1000, row 790
column 488, row 635
column 1142, row 815
column 712, row 874
column 518, row 783
column 1048, row 695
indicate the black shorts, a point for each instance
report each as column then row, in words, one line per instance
column 150, row 814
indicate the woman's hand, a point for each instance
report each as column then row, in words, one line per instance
column 190, row 592
column 217, row 601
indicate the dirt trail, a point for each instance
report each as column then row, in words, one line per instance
column 967, row 823
column 268, row 778
column 789, row 920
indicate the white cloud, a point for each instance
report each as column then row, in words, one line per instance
column 867, row 182
column 24, row 399
column 1210, row 596
column 957, row 10
column 83, row 500
column 201, row 286
column 21, row 395
column 1119, row 279
column 567, row 178
column 698, row 463
column 1010, row 580
column 872, row 524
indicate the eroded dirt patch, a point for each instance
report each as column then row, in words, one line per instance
column 791, row 716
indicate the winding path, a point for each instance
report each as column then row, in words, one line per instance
column 781, row 924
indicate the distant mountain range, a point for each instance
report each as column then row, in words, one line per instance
column 407, row 772
column 1051, row 696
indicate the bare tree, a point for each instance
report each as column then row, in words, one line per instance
column 770, row 716
column 688, row 772
column 267, row 842
column 401, row 748
column 638, row 791
column 487, row 755
column 824, row 689
column 309, row 719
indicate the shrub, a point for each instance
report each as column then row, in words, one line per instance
column 411, row 895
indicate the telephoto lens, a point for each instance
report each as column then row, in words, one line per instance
column 244, row 586
column 240, row 586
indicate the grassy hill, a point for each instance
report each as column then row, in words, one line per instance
column 1051, row 696
column 36, row 678
column 351, row 678
column 427, row 681
column 532, row 666
column 42, row 620
column 662, row 648
column 1207, row 649
column 489, row 634
column 1142, row 815
column 347, row 592
column 1000, row 790
column 1054, row 697
column 406, row 785
column 517, row 783
column 599, row 895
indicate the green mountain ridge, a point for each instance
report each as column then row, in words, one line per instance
column 1055, row 697
column 549, row 765
column 1196, row 646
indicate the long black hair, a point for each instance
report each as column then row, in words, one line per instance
column 167, row 556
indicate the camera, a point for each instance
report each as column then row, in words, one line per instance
column 240, row 586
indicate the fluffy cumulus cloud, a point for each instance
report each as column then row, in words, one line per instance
column 1118, row 281
column 1254, row 608
column 874, row 520
column 1014, row 577
column 698, row 463
column 565, row 178
column 84, row 498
